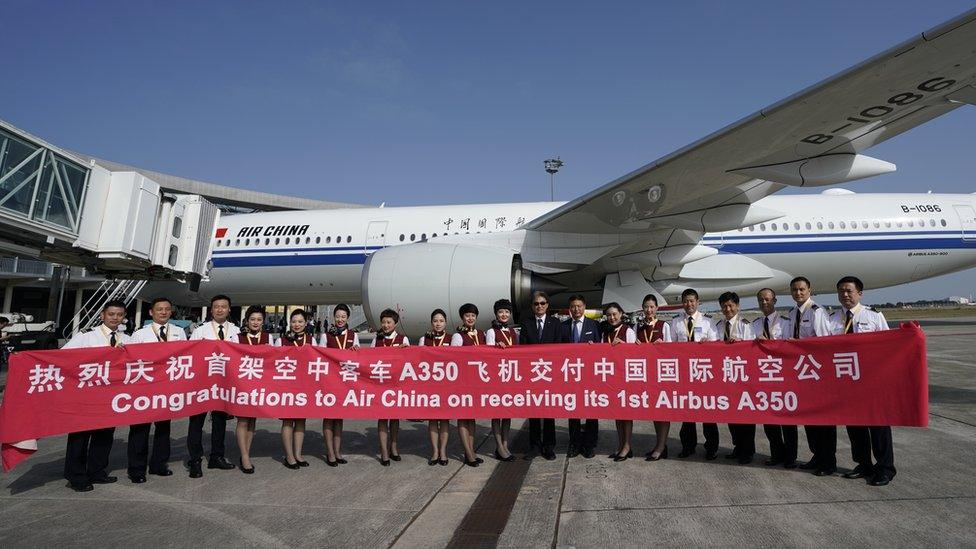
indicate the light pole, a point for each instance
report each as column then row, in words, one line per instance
column 552, row 166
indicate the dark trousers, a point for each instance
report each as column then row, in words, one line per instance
column 87, row 454
column 823, row 443
column 689, row 436
column 865, row 440
column 585, row 437
column 783, row 442
column 194, row 435
column 139, row 457
column 743, row 439
column 542, row 432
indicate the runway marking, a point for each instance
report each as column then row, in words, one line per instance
column 773, row 504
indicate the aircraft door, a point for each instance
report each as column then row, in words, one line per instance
column 375, row 236
column 967, row 220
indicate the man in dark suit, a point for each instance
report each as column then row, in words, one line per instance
column 538, row 329
column 579, row 329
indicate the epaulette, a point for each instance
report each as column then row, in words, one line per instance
column 784, row 317
column 868, row 308
column 815, row 307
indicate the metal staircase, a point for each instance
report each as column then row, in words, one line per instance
column 90, row 313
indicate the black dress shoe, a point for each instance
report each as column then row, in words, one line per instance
column 220, row 463
column 771, row 462
column 167, row 472
column 662, row 455
column 549, row 453
column 733, row 455
column 245, row 470
column 625, row 457
column 292, row 466
column 790, row 465
column 745, row 460
column 809, row 465
column 104, row 479
column 478, row 459
column 685, row 452
column 302, row 463
column 395, row 457
column 137, row 478
column 572, row 452
column 531, row 452
column 504, row 459
column 881, row 479
column 472, row 463
column 341, row 461
column 385, row 462
column 196, row 469
column 87, row 487
column 858, row 472
column 443, row 462
column 333, row 463
column 710, row 455
column 432, row 462
column 588, row 453
column 824, row 472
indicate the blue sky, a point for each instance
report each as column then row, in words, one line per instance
column 444, row 102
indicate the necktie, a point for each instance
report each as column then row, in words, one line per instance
column 220, row 332
column 796, row 325
column 162, row 333
column 111, row 340
column 849, row 327
column 766, row 333
column 691, row 329
column 728, row 330
column 576, row 331
column 541, row 323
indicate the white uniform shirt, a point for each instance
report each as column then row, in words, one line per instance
column 423, row 341
column 324, row 341
column 777, row 326
column 272, row 341
column 150, row 333
column 665, row 331
column 490, row 336
column 865, row 320
column 285, row 342
column 630, row 336
column 208, row 330
column 406, row 342
column 99, row 336
column 702, row 326
column 813, row 320
column 738, row 328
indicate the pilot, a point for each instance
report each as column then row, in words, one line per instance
column 86, row 456
column 733, row 329
column 693, row 325
column 807, row 319
column 853, row 318
column 218, row 328
column 772, row 325
column 157, row 331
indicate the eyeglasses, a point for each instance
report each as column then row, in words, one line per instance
column 540, row 303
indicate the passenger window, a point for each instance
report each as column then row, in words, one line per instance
column 318, row 239
column 943, row 222
column 752, row 228
column 401, row 238
column 772, row 227
column 218, row 243
column 413, row 237
column 843, row 225
column 796, row 226
column 809, row 226
column 277, row 241
column 237, row 242
column 820, row 225
column 762, row 226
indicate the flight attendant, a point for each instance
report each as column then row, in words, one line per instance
column 389, row 429
column 772, row 325
column 692, row 325
column 159, row 330
column 438, row 429
column 87, row 453
column 616, row 332
column 338, row 336
column 653, row 330
column 733, row 329
column 855, row 318
column 468, row 335
column 503, row 336
column 218, row 328
column 254, row 334
column 807, row 319
column 293, row 429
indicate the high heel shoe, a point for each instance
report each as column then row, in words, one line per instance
column 246, row 470
column 302, row 463
column 292, row 466
column 395, row 457
column 341, row 461
column 511, row 457
column 433, row 462
column 662, row 455
column 472, row 463
column 442, row 462
column 333, row 463
column 624, row 457
column 385, row 462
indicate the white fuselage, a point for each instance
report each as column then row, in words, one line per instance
column 308, row 257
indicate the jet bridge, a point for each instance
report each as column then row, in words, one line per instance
column 57, row 207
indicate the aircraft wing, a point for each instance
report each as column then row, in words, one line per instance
column 812, row 138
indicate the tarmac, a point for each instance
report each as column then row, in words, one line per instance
column 563, row 503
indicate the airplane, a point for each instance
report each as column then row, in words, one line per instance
column 703, row 217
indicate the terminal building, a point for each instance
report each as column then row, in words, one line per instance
column 42, row 189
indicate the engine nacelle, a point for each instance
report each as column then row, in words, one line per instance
column 418, row 278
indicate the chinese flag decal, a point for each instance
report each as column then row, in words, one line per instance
column 221, row 232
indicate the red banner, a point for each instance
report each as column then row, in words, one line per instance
column 862, row 379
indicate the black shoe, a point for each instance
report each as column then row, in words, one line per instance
column 625, row 457
column 137, row 478
column 334, row 463
column 246, row 470
column 87, row 487
column 385, row 462
column 196, row 469
column 771, row 462
column 302, row 463
column 443, row 462
column 472, row 463
column 291, row 466
column 733, row 455
column 531, row 452
column 104, row 479
column 549, row 453
column 662, row 455
column 790, row 465
column 858, row 472
column 395, row 457
column 745, row 460
column 433, row 462
column 572, row 452
column 220, row 463
column 685, row 452
column 824, row 472
column 341, row 461
column 478, row 459
column 809, row 465
column 588, row 453
column 711, row 454
column 167, row 472
column 881, row 479
column 504, row 459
